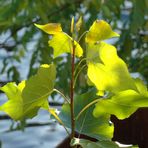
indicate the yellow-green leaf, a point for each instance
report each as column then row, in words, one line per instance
column 51, row 28
column 106, row 70
column 122, row 105
column 79, row 23
column 100, row 30
column 29, row 96
column 62, row 43
column 39, row 87
column 72, row 25
column 14, row 106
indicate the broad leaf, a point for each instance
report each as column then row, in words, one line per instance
column 62, row 43
column 98, row 128
column 39, row 87
column 89, row 144
column 106, row 70
column 100, row 30
column 122, row 105
column 51, row 28
column 26, row 98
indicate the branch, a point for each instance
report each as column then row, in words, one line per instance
column 35, row 20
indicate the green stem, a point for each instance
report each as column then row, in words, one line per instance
column 65, row 98
column 79, row 64
column 76, row 77
column 52, row 112
column 82, row 36
column 87, row 106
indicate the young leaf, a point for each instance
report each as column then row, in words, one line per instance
column 98, row 128
column 51, row 28
column 122, row 105
column 72, row 25
column 89, row 144
column 106, row 70
column 100, row 30
column 79, row 23
column 29, row 96
column 62, row 43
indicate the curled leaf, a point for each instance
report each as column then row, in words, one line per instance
column 51, row 28
column 79, row 23
column 72, row 25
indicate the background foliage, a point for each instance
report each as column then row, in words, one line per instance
column 20, row 39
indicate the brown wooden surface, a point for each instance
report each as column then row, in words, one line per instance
column 133, row 130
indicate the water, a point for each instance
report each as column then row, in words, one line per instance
column 33, row 137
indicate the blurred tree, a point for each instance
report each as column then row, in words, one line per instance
column 20, row 39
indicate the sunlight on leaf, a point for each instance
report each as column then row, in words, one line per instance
column 106, row 70
column 51, row 28
column 122, row 105
column 100, row 30
column 72, row 25
column 30, row 95
column 40, row 86
column 62, row 43
column 14, row 106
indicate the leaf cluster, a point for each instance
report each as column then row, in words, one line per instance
column 114, row 91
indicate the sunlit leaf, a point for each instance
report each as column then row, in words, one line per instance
column 40, row 86
column 100, row 30
column 30, row 95
column 98, row 128
column 106, row 70
column 122, row 105
column 72, row 25
column 89, row 144
column 79, row 23
column 51, row 28
column 14, row 106
column 62, row 43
